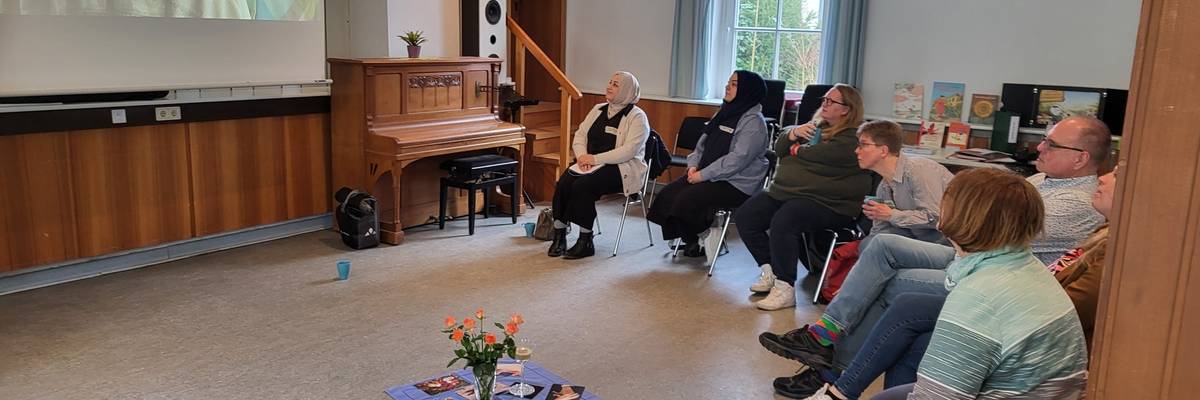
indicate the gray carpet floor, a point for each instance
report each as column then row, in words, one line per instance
column 269, row 321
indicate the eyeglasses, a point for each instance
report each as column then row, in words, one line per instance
column 1050, row 143
column 827, row 100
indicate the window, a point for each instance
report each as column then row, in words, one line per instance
column 779, row 39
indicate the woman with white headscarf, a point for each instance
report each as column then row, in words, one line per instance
column 609, row 147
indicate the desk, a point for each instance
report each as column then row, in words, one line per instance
column 534, row 374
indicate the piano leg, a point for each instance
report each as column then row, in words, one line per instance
column 471, row 211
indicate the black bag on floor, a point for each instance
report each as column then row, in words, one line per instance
column 356, row 218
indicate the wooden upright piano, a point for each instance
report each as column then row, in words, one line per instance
column 395, row 119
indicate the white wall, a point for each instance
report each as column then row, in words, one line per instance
column 987, row 43
column 368, row 28
column 439, row 19
column 611, row 35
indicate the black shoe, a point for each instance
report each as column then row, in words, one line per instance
column 558, row 243
column 583, row 247
column 798, row 345
column 799, row 386
column 693, row 250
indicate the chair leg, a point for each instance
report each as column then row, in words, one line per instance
column 646, row 216
column 471, row 211
column 724, row 229
column 486, row 204
column 514, row 200
column 825, row 268
column 621, row 228
column 442, row 205
column 675, row 247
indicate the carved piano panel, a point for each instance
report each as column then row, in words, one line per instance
column 428, row 92
column 394, row 119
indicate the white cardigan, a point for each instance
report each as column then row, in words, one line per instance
column 628, row 155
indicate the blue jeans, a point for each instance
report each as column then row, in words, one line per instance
column 896, row 393
column 895, row 345
column 889, row 266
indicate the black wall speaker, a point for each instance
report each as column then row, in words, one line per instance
column 484, row 30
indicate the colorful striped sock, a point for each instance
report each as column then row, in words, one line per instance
column 825, row 332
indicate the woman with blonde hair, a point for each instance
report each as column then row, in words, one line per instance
column 818, row 185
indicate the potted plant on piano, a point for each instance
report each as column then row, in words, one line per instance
column 414, row 40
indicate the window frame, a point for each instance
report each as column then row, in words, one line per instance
column 778, row 32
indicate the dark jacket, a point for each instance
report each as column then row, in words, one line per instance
column 826, row 173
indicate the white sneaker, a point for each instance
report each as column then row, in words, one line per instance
column 782, row 296
column 712, row 245
column 821, row 394
column 766, row 280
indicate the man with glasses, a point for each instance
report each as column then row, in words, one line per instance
column 907, row 200
column 1071, row 155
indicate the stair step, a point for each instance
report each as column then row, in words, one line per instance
column 546, row 158
column 542, row 106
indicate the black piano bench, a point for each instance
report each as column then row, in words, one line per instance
column 481, row 172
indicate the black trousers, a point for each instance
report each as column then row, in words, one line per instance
column 683, row 210
column 785, row 220
column 575, row 195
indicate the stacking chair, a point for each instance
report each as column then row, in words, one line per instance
column 857, row 230
column 637, row 198
column 772, row 105
column 810, row 102
column 687, row 138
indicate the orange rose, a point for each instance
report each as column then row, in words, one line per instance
column 516, row 319
column 511, row 328
column 457, row 335
column 489, row 338
column 449, row 321
column 479, row 313
column 469, row 324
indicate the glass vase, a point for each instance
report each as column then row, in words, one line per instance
column 485, row 380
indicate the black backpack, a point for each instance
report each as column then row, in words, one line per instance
column 657, row 155
column 356, row 218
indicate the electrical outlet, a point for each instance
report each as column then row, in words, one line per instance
column 118, row 116
column 167, row 113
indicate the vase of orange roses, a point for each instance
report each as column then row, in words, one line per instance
column 482, row 350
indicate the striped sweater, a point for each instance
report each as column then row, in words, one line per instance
column 1007, row 331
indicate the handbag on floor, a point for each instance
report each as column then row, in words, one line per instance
column 544, row 230
column 356, row 219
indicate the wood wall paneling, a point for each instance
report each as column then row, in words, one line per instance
column 131, row 187
column 1149, row 309
column 387, row 94
column 37, row 219
column 238, row 173
column 307, row 167
column 545, row 22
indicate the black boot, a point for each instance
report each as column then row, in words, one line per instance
column 693, row 249
column 558, row 244
column 583, row 247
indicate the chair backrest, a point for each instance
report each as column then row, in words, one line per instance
column 810, row 102
column 689, row 134
column 772, row 161
column 772, row 103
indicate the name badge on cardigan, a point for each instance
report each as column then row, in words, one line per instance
column 610, row 129
column 726, row 129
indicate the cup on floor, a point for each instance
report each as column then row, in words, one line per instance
column 529, row 227
column 343, row 268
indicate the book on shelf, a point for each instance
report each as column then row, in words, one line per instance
column 983, row 108
column 918, row 150
column 932, row 134
column 958, row 135
column 907, row 100
column 1004, row 131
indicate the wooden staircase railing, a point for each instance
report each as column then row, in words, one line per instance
column 568, row 91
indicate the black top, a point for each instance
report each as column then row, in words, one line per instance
column 717, row 138
column 598, row 138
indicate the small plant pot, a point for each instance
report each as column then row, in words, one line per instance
column 414, row 51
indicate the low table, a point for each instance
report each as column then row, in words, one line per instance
column 534, row 374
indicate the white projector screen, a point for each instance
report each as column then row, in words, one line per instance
column 47, row 50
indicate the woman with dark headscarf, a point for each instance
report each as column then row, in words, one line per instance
column 726, row 168
column 818, row 185
column 609, row 147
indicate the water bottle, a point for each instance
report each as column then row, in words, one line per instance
column 816, row 138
